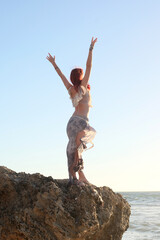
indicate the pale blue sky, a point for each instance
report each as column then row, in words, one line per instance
column 125, row 85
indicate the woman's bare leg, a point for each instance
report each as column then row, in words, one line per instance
column 82, row 177
column 72, row 167
column 72, row 172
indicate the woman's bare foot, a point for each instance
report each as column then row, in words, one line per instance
column 78, row 182
column 82, row 177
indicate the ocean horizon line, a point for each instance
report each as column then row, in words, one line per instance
column 137, row 191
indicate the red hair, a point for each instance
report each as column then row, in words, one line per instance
column 76, row 78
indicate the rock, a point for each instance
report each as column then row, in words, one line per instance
column 34, row 207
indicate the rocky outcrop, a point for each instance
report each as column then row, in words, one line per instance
column 34, row 207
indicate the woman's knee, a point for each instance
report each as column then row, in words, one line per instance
column 78, row 137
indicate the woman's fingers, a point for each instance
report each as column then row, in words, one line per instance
column 50, row 58
column 93, row 40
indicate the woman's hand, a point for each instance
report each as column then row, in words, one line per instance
column 50, row 58
column 93, row 41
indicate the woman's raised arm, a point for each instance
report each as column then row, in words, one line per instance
column 64, row 79
column 88, row 64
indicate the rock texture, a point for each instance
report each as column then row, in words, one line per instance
column 34, row 207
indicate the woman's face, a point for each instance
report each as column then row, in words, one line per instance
column 81, row 77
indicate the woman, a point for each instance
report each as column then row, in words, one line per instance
column 78, row 129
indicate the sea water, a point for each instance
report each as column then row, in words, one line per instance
column 145, row 216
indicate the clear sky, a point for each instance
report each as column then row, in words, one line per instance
column 125, row 87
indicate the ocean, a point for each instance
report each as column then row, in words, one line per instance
column 145, row 216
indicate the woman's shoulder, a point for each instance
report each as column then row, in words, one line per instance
column 72, row 92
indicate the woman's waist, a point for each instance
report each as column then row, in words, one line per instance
column 85, row 104
column 80, row 115
column 82, row 109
